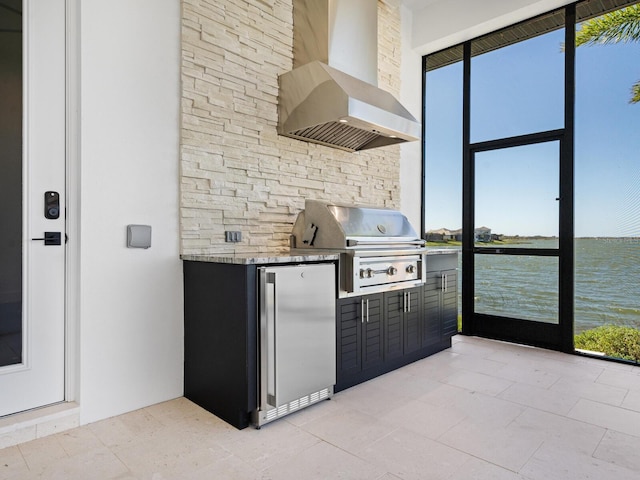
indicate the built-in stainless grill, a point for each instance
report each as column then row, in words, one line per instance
column 379, row 249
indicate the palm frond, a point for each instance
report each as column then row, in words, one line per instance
column 616, row 27
column 635, row 93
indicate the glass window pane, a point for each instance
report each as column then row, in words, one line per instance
column 518, row 89
column 11, row 189
column 443, row 151
column 516, row 191
column 517, row 286
column 607, row 193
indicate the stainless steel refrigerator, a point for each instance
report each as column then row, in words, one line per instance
column 297, row 339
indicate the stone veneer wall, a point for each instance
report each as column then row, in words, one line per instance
column 236, row 172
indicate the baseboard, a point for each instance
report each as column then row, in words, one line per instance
column 41, row 422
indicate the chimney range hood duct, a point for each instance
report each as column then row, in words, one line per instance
column 331, row 97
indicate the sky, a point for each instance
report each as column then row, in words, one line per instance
column 519, row 90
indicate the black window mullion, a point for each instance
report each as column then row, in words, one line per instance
column 566, row 214
column 423, row 165
column 468, row 193
column 519, row 141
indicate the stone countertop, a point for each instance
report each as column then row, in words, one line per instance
column 442, row 251
column 258, row 259
column 271, row 258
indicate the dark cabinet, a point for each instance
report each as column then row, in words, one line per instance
column 371, row 320
column 378, row 333
column 403, row 314
column 449, row 302
column 431, row 322
column 375, row 334
column 394, row 307
column 220, row 339
column 440, row 321
column 359, row 335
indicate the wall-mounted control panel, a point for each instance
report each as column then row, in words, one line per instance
column 138, row 236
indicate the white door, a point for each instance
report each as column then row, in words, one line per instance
column 32, row 156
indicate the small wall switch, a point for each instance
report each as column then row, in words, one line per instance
column 232, row 236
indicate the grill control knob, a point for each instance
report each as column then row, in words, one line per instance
column 362, row 273
column 392, row 270
column 369, row 273
column 411, row 269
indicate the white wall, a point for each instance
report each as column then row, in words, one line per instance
column 130, row 309
column 411, row 98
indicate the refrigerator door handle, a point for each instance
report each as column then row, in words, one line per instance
column 268, row 340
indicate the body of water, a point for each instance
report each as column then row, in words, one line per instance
column 607, row 283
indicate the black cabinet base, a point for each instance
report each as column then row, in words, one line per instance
column 220, row 372
column 239, row 418
column 345, row 382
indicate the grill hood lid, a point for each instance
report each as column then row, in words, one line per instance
column 331, row 96
column 333, row 225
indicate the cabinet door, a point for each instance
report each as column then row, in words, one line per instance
column 403, row 318
column 449, row 303
column 413, row 320
column 394, row 307
column 431, row 309
column 372, row 331
column 349, row 337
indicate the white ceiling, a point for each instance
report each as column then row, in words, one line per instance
column 439, row 24
column 417, row 4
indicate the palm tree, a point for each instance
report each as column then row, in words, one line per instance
column 621, row 26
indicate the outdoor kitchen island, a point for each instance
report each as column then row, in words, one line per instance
column 221, row 369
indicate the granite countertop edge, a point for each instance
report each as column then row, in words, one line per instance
column 271, row 258
column 442, row 251
column 258, row 259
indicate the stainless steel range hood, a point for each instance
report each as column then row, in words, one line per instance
column 331, row 97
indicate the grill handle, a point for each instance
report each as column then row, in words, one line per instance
column 352, row 242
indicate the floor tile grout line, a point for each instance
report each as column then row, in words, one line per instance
column 621, row 407
column 604, row 434
column 355, row 454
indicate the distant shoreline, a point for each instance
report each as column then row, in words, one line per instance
column 508, row 240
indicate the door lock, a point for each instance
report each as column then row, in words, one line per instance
column 51, row 238
column 51, row 205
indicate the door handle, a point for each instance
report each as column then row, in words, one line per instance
column 406, row 298
column 51, row 238
column 268, row 340
column 364, row 309
column 367, row 310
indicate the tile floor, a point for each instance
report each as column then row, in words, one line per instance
column 481, row 410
